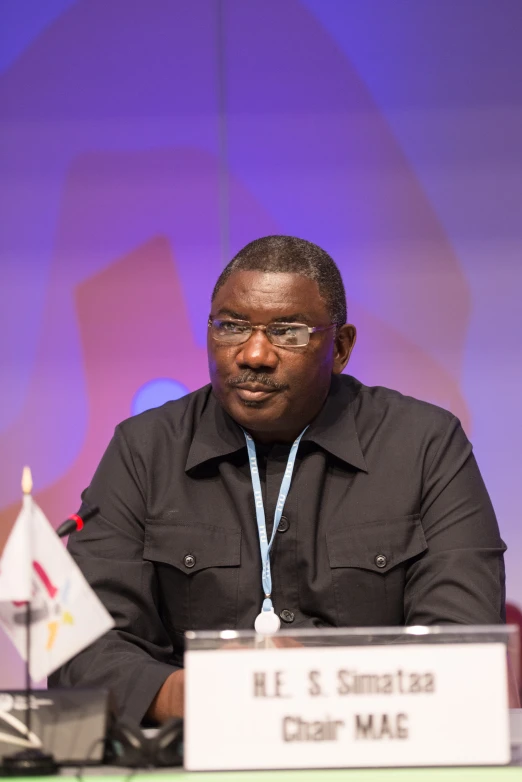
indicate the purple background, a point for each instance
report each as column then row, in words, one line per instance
column 142, row 144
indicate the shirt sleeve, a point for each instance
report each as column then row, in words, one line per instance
column 460, row 578
column 134, row 658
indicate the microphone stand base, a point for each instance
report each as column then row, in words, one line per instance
column 28, row 763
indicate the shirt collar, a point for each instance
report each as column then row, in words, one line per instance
column 334, row 428
column 217, row 434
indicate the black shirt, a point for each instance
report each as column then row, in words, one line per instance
column 387, row 522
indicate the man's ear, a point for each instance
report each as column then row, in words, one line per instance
column 344, row 343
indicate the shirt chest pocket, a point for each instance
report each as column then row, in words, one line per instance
column 197, row 570
column 368, row 564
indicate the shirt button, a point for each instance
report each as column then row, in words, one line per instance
column 283, row 524
column 189, row 560
column 287, row 616
column 380, row 560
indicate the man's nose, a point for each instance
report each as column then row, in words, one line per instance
column 257, row 351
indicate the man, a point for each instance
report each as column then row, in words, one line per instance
column 380, row 514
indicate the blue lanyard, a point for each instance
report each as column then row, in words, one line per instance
column 264, row 544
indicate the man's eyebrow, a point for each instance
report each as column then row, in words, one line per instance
column 232, row 314
column 296, row 317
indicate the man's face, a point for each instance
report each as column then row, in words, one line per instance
column 274, row 392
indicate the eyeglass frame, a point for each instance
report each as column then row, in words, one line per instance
column 261, row 327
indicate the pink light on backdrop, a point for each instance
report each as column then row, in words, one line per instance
column 136, row 304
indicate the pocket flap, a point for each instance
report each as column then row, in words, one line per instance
column 377, row 545
column 191, row 547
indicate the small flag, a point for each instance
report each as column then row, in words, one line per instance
column 66, row 615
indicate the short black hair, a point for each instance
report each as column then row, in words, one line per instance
column 290, row 254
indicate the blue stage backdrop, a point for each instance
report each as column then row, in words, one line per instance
column 143, row 143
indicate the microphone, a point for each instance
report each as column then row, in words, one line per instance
column 76, row 522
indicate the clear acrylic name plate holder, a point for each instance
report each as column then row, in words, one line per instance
column 342, row 698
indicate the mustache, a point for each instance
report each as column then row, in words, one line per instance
column 256, row 377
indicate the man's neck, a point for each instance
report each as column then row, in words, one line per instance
column 279, row 437
column 263, row 438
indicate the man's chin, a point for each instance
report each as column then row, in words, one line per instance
column 252, row 403
column 260, row 414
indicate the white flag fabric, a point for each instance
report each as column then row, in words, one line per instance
column 15, row 564
column 66, row 615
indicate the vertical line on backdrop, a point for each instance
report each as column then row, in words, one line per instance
column 224, row 190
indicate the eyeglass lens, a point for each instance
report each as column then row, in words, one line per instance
column 234, row 332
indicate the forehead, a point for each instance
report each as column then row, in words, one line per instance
column 269, row 295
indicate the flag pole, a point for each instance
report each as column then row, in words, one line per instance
column 27, row 488
column 28, row 762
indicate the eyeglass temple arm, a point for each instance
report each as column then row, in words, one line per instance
column 311, row 329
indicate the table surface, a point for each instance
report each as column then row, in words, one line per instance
column 461, row 774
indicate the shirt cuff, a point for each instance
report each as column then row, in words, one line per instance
column 146, row 683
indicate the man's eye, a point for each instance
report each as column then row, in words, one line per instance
column 232, row 327
column 283, row 330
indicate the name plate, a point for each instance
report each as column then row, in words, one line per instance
column 362, row 706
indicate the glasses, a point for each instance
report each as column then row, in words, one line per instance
column 284, row 335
